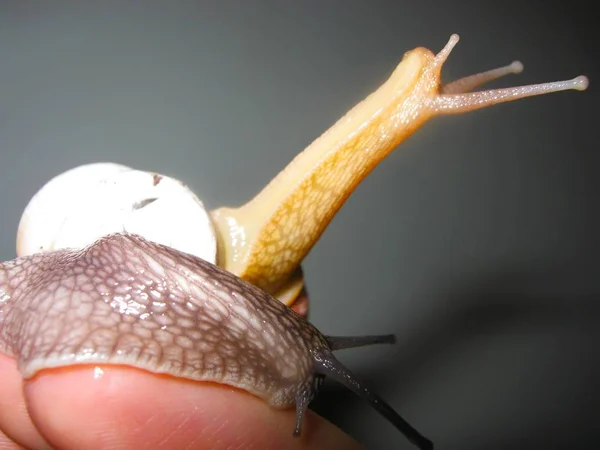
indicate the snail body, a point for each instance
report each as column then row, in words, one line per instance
column 265, row 240
column 210, row 301
column 127, row 300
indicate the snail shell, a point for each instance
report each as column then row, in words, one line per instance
column 88, row 202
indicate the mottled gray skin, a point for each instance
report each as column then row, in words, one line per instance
column 126, row 300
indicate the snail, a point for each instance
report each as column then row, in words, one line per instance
column 207, row 296
column 265, row 240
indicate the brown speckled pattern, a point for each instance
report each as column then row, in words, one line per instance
column 127, row 300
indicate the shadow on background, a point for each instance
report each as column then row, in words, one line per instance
column 559, row 327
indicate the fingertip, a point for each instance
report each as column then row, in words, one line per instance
column 8, row 444
column 113, row 406
column 16, row 428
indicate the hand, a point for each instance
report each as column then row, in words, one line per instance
column 108, row 407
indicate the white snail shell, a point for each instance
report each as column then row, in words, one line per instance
column 79, row 206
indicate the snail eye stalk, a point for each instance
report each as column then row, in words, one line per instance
column 344, row 342
column 326, row 364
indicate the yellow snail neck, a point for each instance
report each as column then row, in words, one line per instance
column 265, row 240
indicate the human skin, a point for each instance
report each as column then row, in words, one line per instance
column 113, row 407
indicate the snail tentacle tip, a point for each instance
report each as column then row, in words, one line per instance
column 302, row 401
column 442, row 56
column 516, row 67
column 326, row 364
column 580, row 83
column 345, row 342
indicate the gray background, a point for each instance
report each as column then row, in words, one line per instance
column 475, row 242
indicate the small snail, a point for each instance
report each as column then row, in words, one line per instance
column 265, row 240
column 195, row 296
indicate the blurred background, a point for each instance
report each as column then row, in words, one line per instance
column 475, row 242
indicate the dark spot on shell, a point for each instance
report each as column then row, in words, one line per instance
column 143, row 203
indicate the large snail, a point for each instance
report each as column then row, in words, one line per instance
column 108, row 275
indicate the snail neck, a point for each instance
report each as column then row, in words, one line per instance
column 265, row 240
